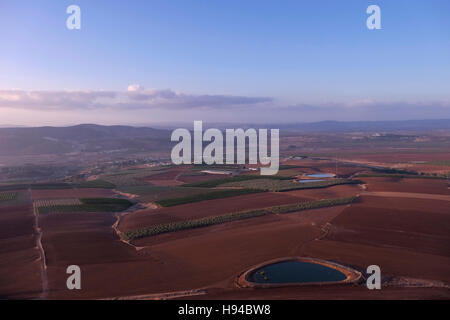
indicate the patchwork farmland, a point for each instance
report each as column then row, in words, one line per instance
column 203, row 232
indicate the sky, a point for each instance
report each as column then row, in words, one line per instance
column 143, row 61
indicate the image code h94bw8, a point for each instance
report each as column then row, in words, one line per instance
column 224, row 159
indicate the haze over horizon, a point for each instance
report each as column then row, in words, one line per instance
column 157, row 62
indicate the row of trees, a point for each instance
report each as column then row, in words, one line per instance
column 208, row 221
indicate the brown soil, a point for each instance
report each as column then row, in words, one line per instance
column 434, row 186
column 201, row 209
column 396, row 157
column 398, row 226
column 20, row 272
column 407, row 237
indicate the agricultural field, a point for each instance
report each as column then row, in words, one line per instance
column 192, row 224
column 285, row 185
column 418, row 185
column 169, row 173
column 39, row 186
column 71, row 193
column 19, row 257
column 81, row 205
column 225, row 167
column 408, row 237
column 132, row 177
column 208, row 229
column 445, row 163
column 101, row 184
column 221, row 181
column 14, row 198
column 7, row 196
column 150, row 193
column 205, row 196
column 339, row 191
column 208, row 208
column 56, row 202
column 209, row 221
column 192, row 177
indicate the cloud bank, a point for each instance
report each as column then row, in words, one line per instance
column 137, row 103
column 136, row 97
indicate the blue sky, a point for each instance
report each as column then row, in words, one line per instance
column 223, row 61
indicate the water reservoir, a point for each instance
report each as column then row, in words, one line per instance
column 295, row 272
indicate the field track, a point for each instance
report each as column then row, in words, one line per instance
column 38, row 231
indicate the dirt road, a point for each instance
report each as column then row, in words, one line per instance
column 41, row 252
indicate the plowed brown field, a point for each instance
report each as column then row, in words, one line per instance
column 141, row 219
column 20, row 272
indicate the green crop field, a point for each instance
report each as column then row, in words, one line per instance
column 225, row 167
column 14, row 198
column 218, row 182
column 51, row 185
column 439, row 163
column 84, row 205
column 285, row 185
column 37, row 186
column 102, row 184
column 261, row 184
column 7, row 196
column 205, row 196
column 151, row 193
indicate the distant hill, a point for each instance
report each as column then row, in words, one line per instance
column 370, row 126
column 85, row 137
column 329, row 126
column 346, row 126
column 91, row 138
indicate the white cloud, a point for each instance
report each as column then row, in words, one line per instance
column 134, row 87
column 136, row 97
column 138, row 102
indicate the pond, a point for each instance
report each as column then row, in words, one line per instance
column 320, row 175
column 295, row 272
column 309, row 180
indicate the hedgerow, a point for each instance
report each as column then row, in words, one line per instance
column 287, row 185
column 311, row 205
column 208, row 221
column 191, row 224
